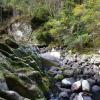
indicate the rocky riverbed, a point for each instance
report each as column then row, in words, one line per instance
column 77, row 77
column 26, row 74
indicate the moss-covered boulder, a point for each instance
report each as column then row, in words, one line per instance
column 27, row 90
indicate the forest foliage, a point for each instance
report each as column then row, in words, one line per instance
column 74, row 24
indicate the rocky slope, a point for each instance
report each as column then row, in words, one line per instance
column 27, row 75
column 21, row 73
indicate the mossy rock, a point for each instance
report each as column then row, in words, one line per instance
column 42, row 82
column 30, row 91
column 18, row 64
column 35, row 75
column 11, row 43
column 5, row 53
column 10, row 95
column 58, row 77
column 6, row 48
column 25, row 70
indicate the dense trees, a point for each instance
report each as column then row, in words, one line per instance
column 71, row 23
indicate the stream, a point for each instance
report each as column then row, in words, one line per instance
column 77, row 77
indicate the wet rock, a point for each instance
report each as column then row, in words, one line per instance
column 76, row 86
column 85, row 85
column 63, row 96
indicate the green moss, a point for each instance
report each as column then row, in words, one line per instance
column 24, row 89
column 58, row 77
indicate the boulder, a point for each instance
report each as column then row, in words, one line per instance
column 63, row 96
column 96, row 92
column 76, row 86
column 91, row 81
column 67, row 82
column 85, row 85
column 58, row 77
column 30, row 91
column 49, row 60
column 10, row 95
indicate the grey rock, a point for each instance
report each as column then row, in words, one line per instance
column 67, row 82
column 68, row 73
column 63, row 96
column 11, row 95
column 87, row 98
column 91, row 81
column 85, row 85
column 96, row 92
column 76, row 85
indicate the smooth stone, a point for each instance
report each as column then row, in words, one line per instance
column 76, row 86
column 85, row 85
column 80, row 96
column 63, row 96
column 91, row 81
column 96, row 92
column 67, row 82
column 96, row 89
column 49, row 60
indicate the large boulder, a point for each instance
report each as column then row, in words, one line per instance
column 49, row 60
